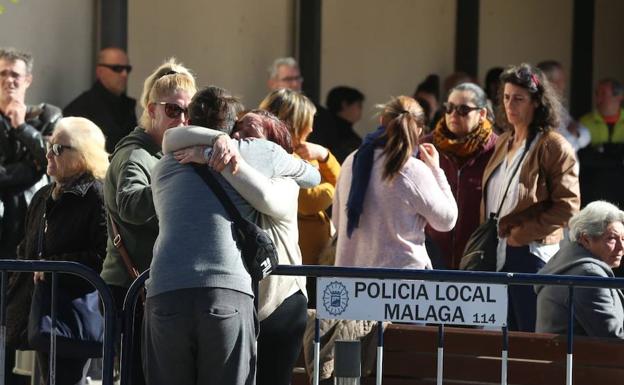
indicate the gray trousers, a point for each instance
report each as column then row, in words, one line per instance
column 200, row 336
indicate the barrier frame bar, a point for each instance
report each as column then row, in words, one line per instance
column 89, row 275
column 313, row 271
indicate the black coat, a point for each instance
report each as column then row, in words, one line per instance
column 22, row 164
column 113, row 114
column 72, row 228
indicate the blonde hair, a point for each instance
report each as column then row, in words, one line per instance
column 291, row 107
column 403, row 119
column 167, row 79
column 88, row 141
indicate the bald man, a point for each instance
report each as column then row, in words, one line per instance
column 106, row 102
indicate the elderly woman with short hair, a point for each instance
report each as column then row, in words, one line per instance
column 596, row 247
column 66, row 221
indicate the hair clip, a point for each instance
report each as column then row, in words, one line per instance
column 535, row 80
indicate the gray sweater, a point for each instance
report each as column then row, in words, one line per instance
column 195, row 246
column 598, row 312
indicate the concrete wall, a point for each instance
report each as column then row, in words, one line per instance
column 61, row 36
column 512, row 32
column 386, row 48
column 608, row 40
column 226, row 43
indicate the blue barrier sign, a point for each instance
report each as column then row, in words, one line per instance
column 412, row 301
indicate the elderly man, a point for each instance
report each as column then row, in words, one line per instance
column 285, row 73
column 106, row 102
column 22, row 148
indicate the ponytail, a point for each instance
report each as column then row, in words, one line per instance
column 404, row 120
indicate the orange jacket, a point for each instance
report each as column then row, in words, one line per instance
column 314, row 223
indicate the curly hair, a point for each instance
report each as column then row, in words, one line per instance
column 548, row 111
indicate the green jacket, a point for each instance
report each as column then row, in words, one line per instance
column 599, row 130
column 128, row 198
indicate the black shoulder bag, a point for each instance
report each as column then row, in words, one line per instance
column 258, row 251
column 480, row 250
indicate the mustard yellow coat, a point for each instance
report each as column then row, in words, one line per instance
column 314, row 223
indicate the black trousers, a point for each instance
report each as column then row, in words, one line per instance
column 280, row 340
column 69, row 371
column 119, row 294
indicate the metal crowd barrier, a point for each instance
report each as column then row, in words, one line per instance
column 403, row 274
column 56, row 267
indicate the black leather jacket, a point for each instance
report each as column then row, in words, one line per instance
column 22, row 164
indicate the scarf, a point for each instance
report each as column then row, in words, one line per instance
column 462, row 149
column 361, row 172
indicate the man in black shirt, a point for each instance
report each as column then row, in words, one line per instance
column 106, row 103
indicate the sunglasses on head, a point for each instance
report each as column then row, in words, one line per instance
column 118, row 68
column 173, row 111
column 462, row 109
column 57, row 149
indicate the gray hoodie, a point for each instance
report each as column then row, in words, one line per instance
column 598, row 312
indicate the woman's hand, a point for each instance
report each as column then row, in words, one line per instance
column 224, row 152
column 311, row 151
column 38, row 276
column 429, row 155
column 512, row 239
column 193, row 154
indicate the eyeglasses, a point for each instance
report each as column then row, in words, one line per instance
column 173, row 111
column 57, row 149
column 118, row 68
column 462, row 109
column 11, row 74
column 292, row 79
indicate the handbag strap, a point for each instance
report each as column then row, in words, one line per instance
column 216, row 187
column 125, row 257
column 517, row 167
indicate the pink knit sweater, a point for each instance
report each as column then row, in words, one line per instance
column 391, row 231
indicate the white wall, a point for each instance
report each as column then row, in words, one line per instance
column 385, row 48
column 226, row 43
column 61, row 36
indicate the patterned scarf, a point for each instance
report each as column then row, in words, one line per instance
column 464, row 148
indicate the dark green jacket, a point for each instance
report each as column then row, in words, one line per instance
column 128, row 198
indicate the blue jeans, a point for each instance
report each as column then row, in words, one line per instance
column 521, row 311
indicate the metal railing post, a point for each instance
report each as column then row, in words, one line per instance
column 380, row 345
column 504, row 356
column 317, row 350
column 569, row 357
column 440, row 374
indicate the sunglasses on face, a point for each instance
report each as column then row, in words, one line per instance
column 118, row 68
column 57, row 149
column 462, row 109
column 173, row 111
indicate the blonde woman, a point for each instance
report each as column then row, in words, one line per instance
column 297, row 111
column 66, row 221
column 127, row 187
